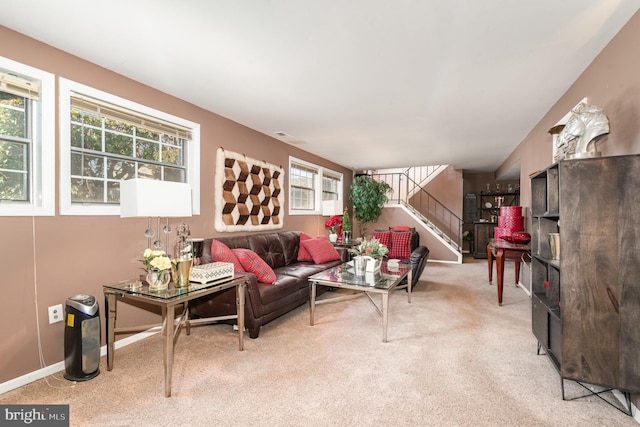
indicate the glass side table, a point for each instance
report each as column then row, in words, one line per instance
column 132, row 291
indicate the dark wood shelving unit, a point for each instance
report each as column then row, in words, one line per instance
column 586, row 306
column 483, row 230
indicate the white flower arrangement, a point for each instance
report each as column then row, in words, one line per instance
column 156, row 260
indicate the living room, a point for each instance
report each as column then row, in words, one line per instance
column 52, row 257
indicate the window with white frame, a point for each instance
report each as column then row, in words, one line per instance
column 331, row 185
column 309, row 185
column 106, row 139
column 27, row 139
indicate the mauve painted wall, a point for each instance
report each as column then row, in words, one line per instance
column 447, row 189
column 612, row 82
column 78, row 254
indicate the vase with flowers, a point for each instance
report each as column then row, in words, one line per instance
column 371, row 251
column 332, row 225
column 158, row 266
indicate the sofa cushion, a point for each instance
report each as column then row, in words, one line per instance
column 303, row 254
column 302, row 270
column 290, row 241
column 252, row 263
column 321, row 250
column 268, row 247
column 383, row 237
column 281, row 292
column 221, row 253
column 400, row 245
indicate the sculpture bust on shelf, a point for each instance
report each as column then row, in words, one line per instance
column 578, row 137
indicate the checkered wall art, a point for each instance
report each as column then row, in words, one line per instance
column 249, row 193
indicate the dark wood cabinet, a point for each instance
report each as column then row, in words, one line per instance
column 586, row 305
column 483, row 231
column 487, row 214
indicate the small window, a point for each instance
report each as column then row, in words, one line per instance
column 107, row 139
column 331, row 186
column 27, row 136
column 309, row 185
column 303, row 187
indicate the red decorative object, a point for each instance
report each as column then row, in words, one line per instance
column 514, row 223
column 510, row 222
column 499, row 233
column 333, row 223
column 546, row 285
column 521, row 237
column 513, row 211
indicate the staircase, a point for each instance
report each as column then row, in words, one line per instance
column 408, row 191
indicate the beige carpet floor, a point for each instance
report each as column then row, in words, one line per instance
column 454, row 358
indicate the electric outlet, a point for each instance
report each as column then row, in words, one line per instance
column 55, row 313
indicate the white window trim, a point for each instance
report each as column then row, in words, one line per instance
column 42, row 168
column 317, row 185
column 66, row 206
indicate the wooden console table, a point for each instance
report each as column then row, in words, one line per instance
column 502, row 250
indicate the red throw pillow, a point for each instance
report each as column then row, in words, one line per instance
column 221, row 253
column 401, row 228
column 252, row 263
column 303, row 254
column 321, row 250
column 383, row 237
column 400, row 245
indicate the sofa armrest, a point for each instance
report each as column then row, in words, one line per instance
column 418, row 260
column 344, row 254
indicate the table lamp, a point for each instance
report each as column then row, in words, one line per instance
column 332, row 207
column 152, row 198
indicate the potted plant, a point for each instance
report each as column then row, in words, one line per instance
column 346, row 226
column 332, row 224
column 368, row 197
column 370, row 247
column 368, row 255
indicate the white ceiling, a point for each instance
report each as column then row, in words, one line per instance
column 365, row 83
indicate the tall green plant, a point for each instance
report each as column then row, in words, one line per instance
column 346, row 220
column 368, row 197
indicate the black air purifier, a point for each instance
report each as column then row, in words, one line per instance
column 81, row 338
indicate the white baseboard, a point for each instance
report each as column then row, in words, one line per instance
column 524, row 288
column 442, row 261
column 634, row 409
column 59, row 366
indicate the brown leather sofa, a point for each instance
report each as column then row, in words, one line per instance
column 265, row 302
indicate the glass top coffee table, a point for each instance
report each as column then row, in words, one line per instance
column 380, row 282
